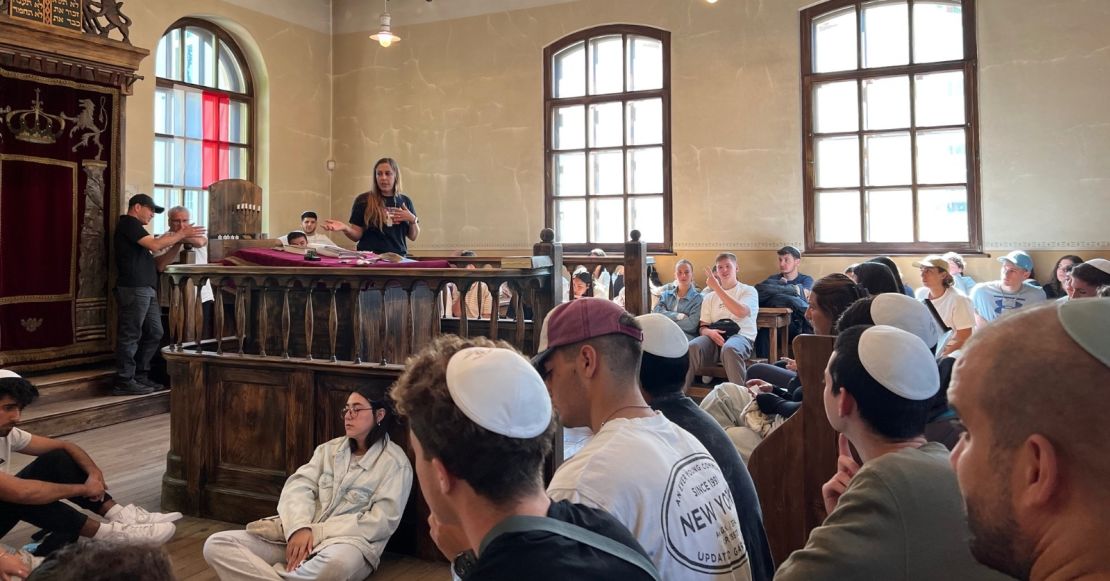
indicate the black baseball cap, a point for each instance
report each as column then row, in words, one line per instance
column 145, row 200
column 791, row 251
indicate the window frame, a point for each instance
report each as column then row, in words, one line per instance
column 968, row 65
column 247, row 96
column 551, row 102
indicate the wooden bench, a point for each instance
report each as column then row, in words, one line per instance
column 792, row 463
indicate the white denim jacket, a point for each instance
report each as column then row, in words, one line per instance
column 358, row 504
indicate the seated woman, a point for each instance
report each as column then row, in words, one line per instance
column 335, row 514
column 383, row 219
column 582, row 285
column 1054, row 288
column 1086, row 278
column 774, row 391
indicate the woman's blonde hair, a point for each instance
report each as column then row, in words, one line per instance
column 375, row 214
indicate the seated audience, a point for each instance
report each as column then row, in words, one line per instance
column 956, row 269
column 790, row 259
column 582, row 285
column 726, row 325
column 776, row 391
column 1034, row 469
column 897, row 512
column 601, row 277
column 953, row 308
column 1086, row 278
column 995, row 298
column 652, row 475
column 62, row 471
column 479, row 301
column 663, row 370
column 481, row 425
column 91, row 561
column 335, row 514
column 877, row 278
column 296, row 238
column 308, row 226
column 906, row 290
column 681, row 301
column 1054, row 287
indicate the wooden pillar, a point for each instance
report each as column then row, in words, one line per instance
column 637, row 296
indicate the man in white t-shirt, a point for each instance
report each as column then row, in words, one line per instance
column 727, row 300
column 308, row 226
column 951, row 305
column 995, row 298
column 653, row 476
column 62, row 470
column 178, row 218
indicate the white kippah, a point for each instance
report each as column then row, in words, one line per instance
column 900, row 362
column 663, row 337
column 1086, row 322
column 907, row 314
column 6, row 373
column 1100, row 263
column 499, row 390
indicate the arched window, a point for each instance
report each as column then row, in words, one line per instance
column 203, row 116
column 890, row 126
column 607, row 137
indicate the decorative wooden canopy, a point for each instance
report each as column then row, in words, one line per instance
column 71, row 39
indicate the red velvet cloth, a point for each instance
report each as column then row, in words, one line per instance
column 271, row 257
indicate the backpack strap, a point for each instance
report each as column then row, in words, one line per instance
column 524, row 524
column 944, row 328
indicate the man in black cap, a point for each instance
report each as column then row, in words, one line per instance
column 140, row 323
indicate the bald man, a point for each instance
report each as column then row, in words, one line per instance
column 1032, row 389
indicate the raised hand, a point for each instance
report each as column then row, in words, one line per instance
column 334, row 225
column 846, row 469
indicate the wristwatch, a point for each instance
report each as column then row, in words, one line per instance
column 464, row 563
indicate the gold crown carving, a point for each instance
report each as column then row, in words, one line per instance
column 33, row 125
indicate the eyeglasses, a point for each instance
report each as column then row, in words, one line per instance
column 350, row 411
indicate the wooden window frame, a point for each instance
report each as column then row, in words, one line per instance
column 968, row 65
column 247, row 96
column 551, row 102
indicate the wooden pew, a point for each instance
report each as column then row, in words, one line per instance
column 793, row 462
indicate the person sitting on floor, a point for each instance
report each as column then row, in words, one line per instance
column 897, row 513
column 681, row 301
column 998, row 297
column 1033, row 466
column 726, row 325
column 777, row 391
column 663, row 369
column 650, row 474
column 481, row 426
column 335, row 514
column 62, row 471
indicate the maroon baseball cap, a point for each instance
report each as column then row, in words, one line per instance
column 579, row 320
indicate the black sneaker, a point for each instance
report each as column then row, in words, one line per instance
column 131, row 387
column 148, row 382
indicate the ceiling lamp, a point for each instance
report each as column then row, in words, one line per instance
column 384, row 35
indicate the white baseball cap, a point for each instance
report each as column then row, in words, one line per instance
column 900, row 362
column 906, row 313
column 663, row 337
column 499, row 390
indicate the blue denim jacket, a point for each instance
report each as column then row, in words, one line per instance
column 670, row 305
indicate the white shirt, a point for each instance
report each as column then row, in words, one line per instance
column 713, row 309
column 201, row 255
column 15, row 441
column 661, row 483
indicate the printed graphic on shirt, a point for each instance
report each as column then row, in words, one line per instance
column 699, row 518
column 1007, row 302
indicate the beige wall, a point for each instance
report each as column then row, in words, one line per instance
column 459, row 103
column 291, row 67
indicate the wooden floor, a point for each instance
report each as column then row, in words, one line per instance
column 133, row 458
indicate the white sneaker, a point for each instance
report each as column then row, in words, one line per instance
column 137, row 515
column 139, row 534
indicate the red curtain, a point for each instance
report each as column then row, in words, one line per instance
column 215, row 154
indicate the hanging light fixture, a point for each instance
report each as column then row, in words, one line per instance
column 384, row 35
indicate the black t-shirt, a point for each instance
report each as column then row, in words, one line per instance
column 544, row 556
column 389, row 239
column 686, row 414
column 134, row 263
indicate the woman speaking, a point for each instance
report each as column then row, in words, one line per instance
column 383, row 219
